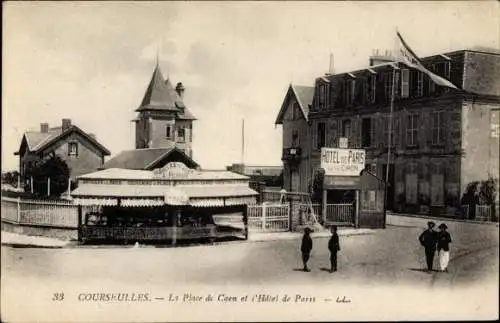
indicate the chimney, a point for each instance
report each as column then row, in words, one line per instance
column 331, row 67
column 381, row 58
column 66, row 123
column 44, row 127
column 179, row 88
column 92, row 135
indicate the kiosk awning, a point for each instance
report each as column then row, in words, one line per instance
column 157, row 195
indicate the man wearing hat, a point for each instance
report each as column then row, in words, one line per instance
column 428, row 239
column 334, row 247
column 443, row 246
column 306, row 247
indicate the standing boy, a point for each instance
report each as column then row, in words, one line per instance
column 334, row 247
column 306, row 247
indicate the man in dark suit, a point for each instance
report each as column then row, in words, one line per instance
column 428, row 239
column 334, row 247
column 306, row 247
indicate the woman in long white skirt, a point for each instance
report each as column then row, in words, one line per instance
column 443, row 246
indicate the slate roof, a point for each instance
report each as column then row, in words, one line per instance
column 304, row 96
column 161, row 95
column 38, row 141
column 145, row 158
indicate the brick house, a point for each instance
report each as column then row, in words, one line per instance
column 442, row 138
column 80, row 150
column 294, row 118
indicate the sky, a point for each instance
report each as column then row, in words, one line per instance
column 92, row 61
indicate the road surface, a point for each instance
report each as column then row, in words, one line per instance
column 388, row 259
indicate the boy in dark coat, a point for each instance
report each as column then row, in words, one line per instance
column 334, row 247
column 306, row 247
column 428, row 239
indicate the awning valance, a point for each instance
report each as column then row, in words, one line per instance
column 95, row 201
column 240, row 200
column 153, row 202
column 141, row 202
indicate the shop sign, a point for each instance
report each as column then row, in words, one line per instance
column 176, row 197
column 342, row 162
column 173, row 169
column 341, row 182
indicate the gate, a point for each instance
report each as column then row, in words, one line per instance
column 483, row 212
column 269, row 217
column 339, row 214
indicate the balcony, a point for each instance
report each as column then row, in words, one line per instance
column 291, row 154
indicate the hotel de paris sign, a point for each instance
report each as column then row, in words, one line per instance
column 342, row 162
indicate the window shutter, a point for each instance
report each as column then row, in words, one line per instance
column 396, row 139
column 442, row 127
column 430, row 133
column 404, row 128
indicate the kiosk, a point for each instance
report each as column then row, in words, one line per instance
column 164, row 205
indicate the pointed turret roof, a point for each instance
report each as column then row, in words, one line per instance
column 160, row 94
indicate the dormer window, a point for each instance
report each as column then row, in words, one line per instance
column 321, row 96
column 349, row 87
column 73, row 149
column 181, row 134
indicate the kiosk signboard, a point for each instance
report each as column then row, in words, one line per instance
column 342, row 162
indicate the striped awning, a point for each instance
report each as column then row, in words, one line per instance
column 141, row 202
column 241, row 200
column 95, row 201
column 206, row 202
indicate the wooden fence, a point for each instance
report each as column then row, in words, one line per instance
column 42, row 213
column 269, row 217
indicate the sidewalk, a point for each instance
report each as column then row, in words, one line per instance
column 273, row 236
column 399, row 219
column 24, row 241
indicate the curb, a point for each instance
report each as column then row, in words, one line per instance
column 24, row 245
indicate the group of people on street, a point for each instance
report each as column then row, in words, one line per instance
column 333, row 246
column 430, row 239
column 433, row 240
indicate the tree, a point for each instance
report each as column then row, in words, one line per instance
column 10, row 178
column 54, row 168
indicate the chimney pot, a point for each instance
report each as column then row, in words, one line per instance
column 44, row 127
column 179, row 88
column 66, row 123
